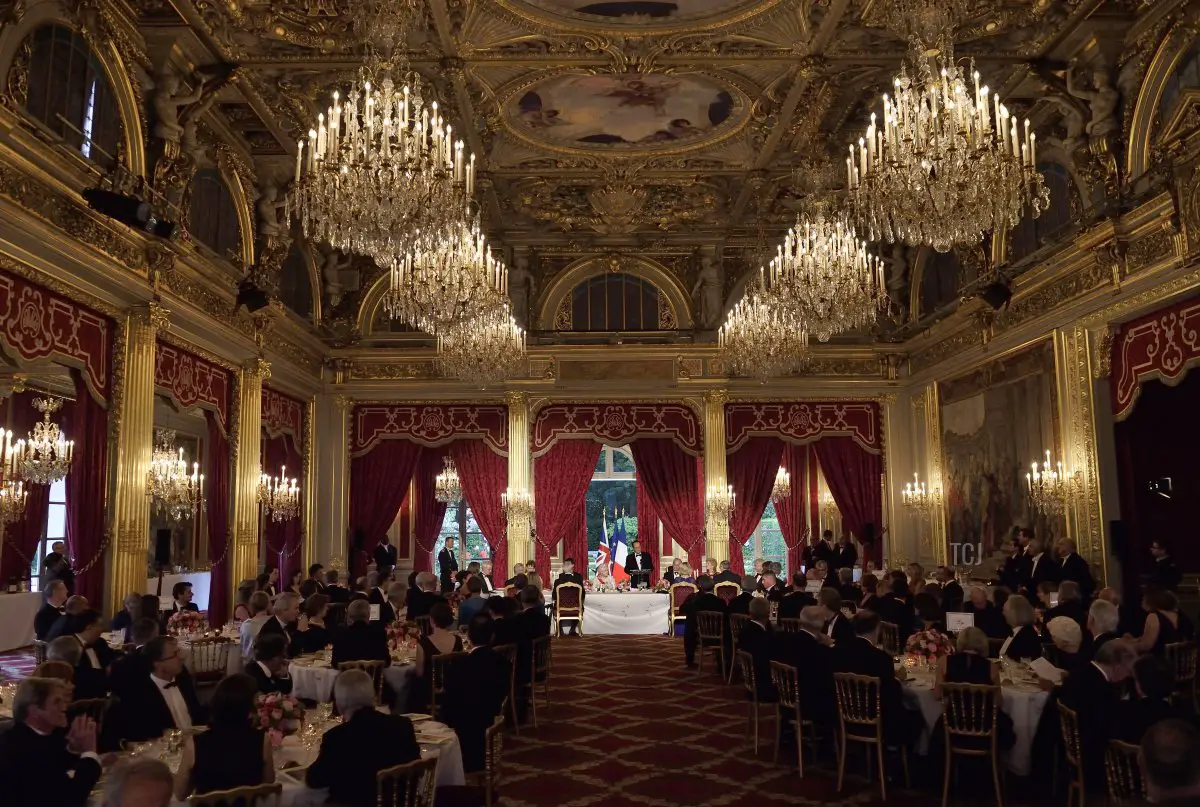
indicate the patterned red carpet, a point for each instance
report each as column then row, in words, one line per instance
column 631, row 726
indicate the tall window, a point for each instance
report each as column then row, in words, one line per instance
column 615, row 301
column 767, row 542
column 1032, row 234
column 460, row 523
column 56, row 530
column 70, row 95
column 213, row 218
column 611, row 499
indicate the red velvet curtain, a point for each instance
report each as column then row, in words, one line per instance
column 21, row 538
column 751, row 472
column 430, row 513
column 648, row 519
column 378, row 482
column 86, row 489
column 484, row 476
column 283, row 538
column 216, row 482
column 854, row 476
column 576, row 539
column 561, row 479
column 674, row 480
column 792, row 511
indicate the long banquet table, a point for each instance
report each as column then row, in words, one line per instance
column 628, row 613
column 16, row 619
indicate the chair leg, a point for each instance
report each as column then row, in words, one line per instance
column 882, row 773
column 946, row 778
column 754, row 708
column 996, row 778
column 800, row 747
column 512, row 707
column 533, row 702
column 841, row 759
column 778, row 731
column 904, row 764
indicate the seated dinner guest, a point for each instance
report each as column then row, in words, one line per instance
column 422, row 599
column 361, row 639
column 1023, row 643
column 568, row 575
column 969, row 664
column 234, row 752
column 75, row 604
column 475, row 601
column 518, row 571
column 1092, row 692
column 810, row 651
column 769, row 586
column 163, row 699
column 441, row 639
column 862, row 656
column 704, row 600
column 485, row 573
column 395, row 606
column 1165, row 624
column 1066, row 640
column 987, row 616
column 1103, row 620
column 741, row 603
column 51, row 611
column 363, row 744
column 181, row 596
column 685, row 574
column 796, row 600
column 757, row 639
column 130, row 610
column 725, row 575
column 43, row 759
column 337, row 593
column 1170, row 763
column 245, row 591
column 138, row 782
column 603, row 580
column 837, row 625
column 318, row 635
column 260, row 605
column 287, row 622
column 91, row 674
column 672, row 571
column 476, row 689
column 269, row 670
column 1153, row 685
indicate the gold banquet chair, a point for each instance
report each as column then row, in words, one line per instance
column 568, row 606
column 737, row 622
column 787, row 684
column 1123, row 773
column 745, row 662
column 437, row 686
column 889, row 637
column 210, row 659
column 250, row 796
column 1181, row 656
column 710, row 631
column 727, row 591
column 373, row 668
column 509, row 652
column 1068, row 722
column 970, row 718
column 861, row 721
column 678, row 596
column 408, row 785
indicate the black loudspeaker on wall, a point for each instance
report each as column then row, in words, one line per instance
column 1118, row 536
column 162, row 548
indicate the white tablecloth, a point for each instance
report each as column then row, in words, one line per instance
column 200, row 585
column 16, row 619
column 315, row 681
column 1023, row 704
column 629, row 613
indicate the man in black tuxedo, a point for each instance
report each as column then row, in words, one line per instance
column 57, row 566
column 181, row 596
column 1166, row 573
column 316, row 573
column 797, row 599
column 1102, row 626
column 1075, row 569
column 447, row 565
column 377, row 583
column 287, row 621
column 337, row 593
column 769, row 587
column 91, row 673
column 845, row 555
column 531, row 623
column 164, row 699
column 703, row 600
column 952, row 591
column 741, row 603
column 475, row 691
column 851, row 593
column 485, row 575
column 503, row 611
column 1013, row 571
column 270, row 666
column 51, row 611
column 726, row 575
column 1041, row 568
column 518, row 571
column 43, row 760
column 130, row 610
column 1070, row 604
column 861, row 656
column 1093, row 691
column 385, row 556
column 837, row 626
column 757, row 639
column 819, row 548
column 639, row 566
column 364, row 743
column 361, row 639
column 422, row 598
column 76, row 604
column 810, row 651
column 128, row 670
column 568, row 575
column 396, row 601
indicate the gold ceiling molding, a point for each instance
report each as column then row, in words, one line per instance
column 551, row 18
column 1180, row 33
column 169, row 337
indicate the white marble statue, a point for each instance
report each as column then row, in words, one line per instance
column 522, row 288
column 1102, row 103
column 709, row 292
column 269, row 207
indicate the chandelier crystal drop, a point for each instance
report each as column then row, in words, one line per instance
column 13, row 496
column 447, row 487
column 919, row 499
column 719, row 503
column 517, row 506
column 1052, row 487
column 947, row 163
column 447, row 280
column 176, row 495
column 824, row 276
column 760, row 341
column 782, row 488
column 279, row 496
column 484, row 351
column 44, row 457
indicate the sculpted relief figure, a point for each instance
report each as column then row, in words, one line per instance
column 333, row 263
column 269, row 207
column 709, row 292
column 170, row 98
column 1102, row 103
column 522, row 288
column 897, row 276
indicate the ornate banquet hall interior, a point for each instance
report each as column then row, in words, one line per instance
column 546, row 276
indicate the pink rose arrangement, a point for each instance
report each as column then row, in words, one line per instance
column 183, row 623
column 927, row 646
column 623, row 585
column 403, row 636
column 279, row 715
column 662, row 587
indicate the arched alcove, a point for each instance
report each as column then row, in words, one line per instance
column 593, row 281
column 1173, row 70
column 297, row 285
column 1031, row 234
column 213, row 217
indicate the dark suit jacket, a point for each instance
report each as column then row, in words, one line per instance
column 191, row 606
column 337, row 594
column 759, row 642
column 814, row 661
column 1097, row 704
column 1014, row 571
column 447, row 566
column 844, row 557
column 727, row 577
column 860, row 657
column 1072, row 609
column 1025, row 644
column 376, row 597
column 353, row 752
column 811, row 554
column 1046, row 569
column 851, row 595
column 989, row 619
column 419, row 602
column 1167, row 573
column 475, row 690
column 843, row 631
column 144, row 714
column 1136, row 716
column 774, row 595
column 294, row 645
column 741, row 603
column 360, row 641
column 528, row 625
column 44, row 620
column 573, row 577
column 1076, row 569
column 952, row 596
column 127, row 672
column 39, row 770
column 267, row 683
column 792, row 604
column 647, row 567
column 898, row 612
column 385, row 557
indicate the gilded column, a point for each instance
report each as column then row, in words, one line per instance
column 520, row 547
column 308, row 510
column 248, row 469
column 133, row 437
column 717, row 529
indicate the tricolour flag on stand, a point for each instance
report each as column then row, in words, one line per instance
column 620, row 551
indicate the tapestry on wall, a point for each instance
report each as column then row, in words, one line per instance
column 995, row 421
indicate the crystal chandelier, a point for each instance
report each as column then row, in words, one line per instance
column 447, row 487
column 823, row 275
column 175, row 493
column 783, row 485
column 829, row 509
column 12, row 501
column 517, row 505
column 918, row 499
column 760, row 341
column 279, row 496
column 1051, row 487
column 947, row 163
column 484, row 351
column 719, row 504
column 446, row 281
column 44, row 457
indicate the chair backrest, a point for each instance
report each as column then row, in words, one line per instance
column 727, row 591
column 373, row 668
column 250, row 796
column 1182, row 658
column 55, row 669
column 408, row 785
column 737, row 622
column 710, row 625
column 774, row 610
column 679, row 593
column 569, row 600
column 95, row 708
column 335, row 615
column 994, row 646
column 970, row 710
column 745, row 663
column 39, row 651
column 858, row 700
column 889, row 637
column 790, row 625
column 441, row 670
column 210, row 657
column 787, row 683
column 541, row 657
column 424, row 624
column 1068, row 723
column 1123, row 773
column 493, row 740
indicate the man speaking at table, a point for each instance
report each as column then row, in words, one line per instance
column 638, row 566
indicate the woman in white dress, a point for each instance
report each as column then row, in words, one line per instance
column 603, row 581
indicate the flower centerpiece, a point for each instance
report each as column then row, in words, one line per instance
column 927, row 646
column 185, row 623
column 623, row 586
column 662, row 587
column 403, row 636
column 587, row 584
column 279, row 715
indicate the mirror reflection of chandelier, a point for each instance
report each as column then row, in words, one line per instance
column 279, row 495
column 44, row 457
column 176, row 494
column 12, row 501
column 447, row 487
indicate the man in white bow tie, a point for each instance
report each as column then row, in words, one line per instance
column 447, row 565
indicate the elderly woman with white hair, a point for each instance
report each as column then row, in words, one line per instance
column 1023, row 643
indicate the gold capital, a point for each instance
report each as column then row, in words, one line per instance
column 516, row 398
column 716, row 397
column 152, row 314
column 343, row 402
column 259, row 368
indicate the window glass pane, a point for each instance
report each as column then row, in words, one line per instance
column 58, row 491
column 773, row 546
column 56, row 521
column 601, row 462
column 622, row 462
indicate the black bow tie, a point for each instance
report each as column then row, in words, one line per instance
column 170, row 684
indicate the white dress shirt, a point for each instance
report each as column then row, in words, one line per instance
column 249, row 632
column 1007, row 642
column 175, row 702
column 637, row 561
column 1033, row 568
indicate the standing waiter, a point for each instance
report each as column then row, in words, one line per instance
column 638, row 566
column 447, row 565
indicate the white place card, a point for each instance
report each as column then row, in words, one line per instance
column 956, row 621
column 1053, row 600
column 375, row 613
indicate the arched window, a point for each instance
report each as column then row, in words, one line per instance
column 212, row 217
column 1186, row 75
column 1032, row 234
column 69, row 93
column 615, row 301
column 295, row 286
column 939, row 281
